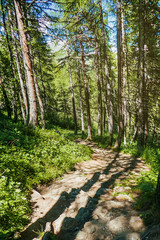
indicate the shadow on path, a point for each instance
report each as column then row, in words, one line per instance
column 84, row 213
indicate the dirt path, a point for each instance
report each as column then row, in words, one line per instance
column 86, row 205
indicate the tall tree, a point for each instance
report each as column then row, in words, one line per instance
column 14, row 77
column 72, row 91
column 17, row 59
column 121, row 73
column 86, row 90
column 99, row 85
column 33, row 113
column 7, row 103
column 107, row 83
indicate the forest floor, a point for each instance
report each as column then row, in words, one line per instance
column 90, row 203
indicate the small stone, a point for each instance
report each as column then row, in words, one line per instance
column 118, row 225
column 48, row 227
column 136, row 223
column 122, row 197
column 82, row 198
column 133, row 236
column 36, row 195
column 90, row 227
column 114, row 204
column 82, row 236
column 57, row 224
column 100, row 212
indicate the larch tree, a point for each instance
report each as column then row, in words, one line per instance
column 121, row 72
column 33, row 112
column 72, row 90
column 107, row 83
column 86, row 90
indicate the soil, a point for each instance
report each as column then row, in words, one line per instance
column 87, row 203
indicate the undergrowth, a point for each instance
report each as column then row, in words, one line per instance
column 147, row 181
column 27, row 158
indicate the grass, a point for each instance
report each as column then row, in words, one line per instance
column 27, row 158
column 146, row 183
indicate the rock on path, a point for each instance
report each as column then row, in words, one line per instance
column 84, row 205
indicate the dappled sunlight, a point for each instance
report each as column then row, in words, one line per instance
column 86, row 203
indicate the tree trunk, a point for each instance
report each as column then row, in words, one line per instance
column 81, row 99
column 14, row 104
column 23, row 90
column 37, row 90
column 72, row 92
column 33, row 113
column 99, row 91
column 145, row 79
column 8, row 108
column 40, row 102
column 65, row 107
column 120, row 74
column 124, row 92
column 107, row 83
column 22, row 108
column 128, row 95
column 86, row 89
column 42, row 81
column 141, row 78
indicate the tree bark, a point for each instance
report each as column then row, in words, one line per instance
column 124, row 90
column 33, row 113
column 99, row 90
column 72, row 92
column 8, row 108
column 42, row 81
column 39, row 100
column 120, row 74
column 13, row 73
column 23, row 90
column 22, row 108
column 86, row 89
column 128, row 91
column 145, row 79
column 81, row 99
column 107, row 79
column 37, row 90
column 140, row 78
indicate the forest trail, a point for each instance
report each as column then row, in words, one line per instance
column 85, row 204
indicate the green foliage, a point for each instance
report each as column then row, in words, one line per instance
column 13, row 204
column 46, row 235
column 27, row 158
column 151, row 154
column 147, row 182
